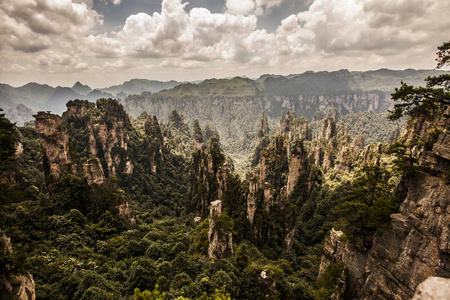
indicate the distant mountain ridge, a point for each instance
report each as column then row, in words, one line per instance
column 20, row 103
column 234, row 106
column 278, row 93
column 138, row 86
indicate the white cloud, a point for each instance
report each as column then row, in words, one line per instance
column 30, row 25
column 245, row 7
column 240, row 7
column 183, row 64
column 368, row 30
column 103, row 46
column 331, row 34
column 60, row 62
column 117, row 65
column 383, row 26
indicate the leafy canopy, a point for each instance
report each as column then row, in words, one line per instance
column 424, row 101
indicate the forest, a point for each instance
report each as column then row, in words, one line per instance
column 96, row 204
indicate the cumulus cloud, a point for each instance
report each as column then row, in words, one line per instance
column 346, row 26
column 245, row 7
column 198, row 35
column 368, row 30
column 117, row 65
column 60, row 62
column 29, row 25
column 103, row 46
column 330, row 34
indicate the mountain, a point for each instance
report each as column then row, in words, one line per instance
column 98, row 204
column 37, row 97
column 413, row 244
column 234, row 106
column 137, row 86
column 81, row 89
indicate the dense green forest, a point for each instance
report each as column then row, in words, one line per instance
column 72, row 238
column 98, row 205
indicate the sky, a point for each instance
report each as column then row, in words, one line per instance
column 106, row 42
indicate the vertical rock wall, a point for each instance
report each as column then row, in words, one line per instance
column 54, row 140
column 415, row 244
column 220, row 240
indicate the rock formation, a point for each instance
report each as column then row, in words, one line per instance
column 93, row 171
column 263, row 126
column 434, row 288
column 209, row 175
column 220, row 238
column 107, row 127
column 126, row 211
column 54, row 140
column 414, row 245
column 298, row 166
column 12, row 285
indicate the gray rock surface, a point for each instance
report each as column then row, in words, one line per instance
column 434, row 288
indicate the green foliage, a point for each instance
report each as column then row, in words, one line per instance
column 200, row 237
column 405, row 163
column 155, row 294
column 7, row 141
column 427, row 101
column 197, row 134
column 327, row 283
column 367, row 205
column 223, row 224
column 443, row 55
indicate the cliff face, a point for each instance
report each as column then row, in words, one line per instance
column 239, row 110
column 209, row 175
column 93, row 172
column 15, row 286
column 415, row 243
column 298, row 166
column 106, row 127
column 220, row 239
column 54, row 140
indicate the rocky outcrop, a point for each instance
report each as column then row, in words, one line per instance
column 434, row 288
column 348, row 155
column 209, row 174
column 414, row 245
column 330, row 139
column 253, row 186
column 328, row 129
column 298, row 166
column 107, row 127
column 93, row 171
column 263, row 126
column 12, row 285
column 197, row 137
column 54, row 140
column 220, row 238
column 126, row 211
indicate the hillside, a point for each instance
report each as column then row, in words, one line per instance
column 234, row 106
column 96, row 204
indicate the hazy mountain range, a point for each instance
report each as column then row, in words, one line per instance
column 20, row 103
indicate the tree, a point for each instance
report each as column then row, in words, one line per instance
column 198, row 135
column 405, row 163
column 367, row 205
column 425, row 101
column 7, row 139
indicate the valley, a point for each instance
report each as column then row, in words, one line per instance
column 283, row 187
